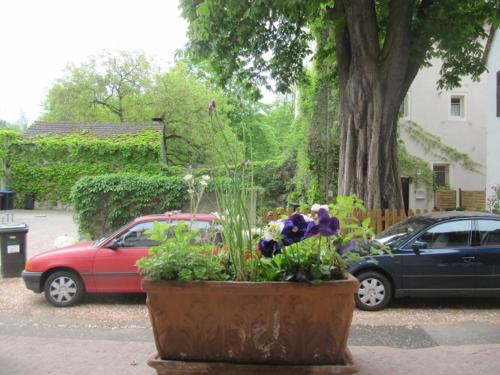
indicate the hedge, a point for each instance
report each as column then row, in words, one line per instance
column 49, row 166
column 104, row 203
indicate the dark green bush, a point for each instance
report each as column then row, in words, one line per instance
column 104, row 203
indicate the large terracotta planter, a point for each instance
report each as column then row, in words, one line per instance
column 268, row 323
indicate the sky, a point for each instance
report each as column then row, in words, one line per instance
column 40, row 37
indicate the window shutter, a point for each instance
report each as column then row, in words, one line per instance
column 498, row 93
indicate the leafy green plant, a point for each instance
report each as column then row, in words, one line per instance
column 106, row 202
column 182, row 255
column 302, row 249
column 50, row 166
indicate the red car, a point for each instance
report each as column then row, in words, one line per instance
column 103, row 266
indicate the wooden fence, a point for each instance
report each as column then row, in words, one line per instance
column 380, row 219
column 472, row 200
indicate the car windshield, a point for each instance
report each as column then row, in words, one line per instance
column 401, row 231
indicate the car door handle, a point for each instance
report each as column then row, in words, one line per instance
column 468, row 259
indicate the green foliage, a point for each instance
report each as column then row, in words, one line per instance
column 314, row 143
column 321, row 258
column 49, row 166
column 106, row 202
column 109, row 88
column 414, row 167
column 436, row 147
column 309, row 260
column 181, row 255
column 7, row 138
column 127, row 87
column 4, row 125
column 235, row 37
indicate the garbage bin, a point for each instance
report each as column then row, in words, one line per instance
column 29, row 201
column 6, row 200
column 13, row 249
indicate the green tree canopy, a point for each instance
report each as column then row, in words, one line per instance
column 371, row 49
column 130, row 88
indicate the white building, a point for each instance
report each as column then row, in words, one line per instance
column 464, row 119
column 493, row 114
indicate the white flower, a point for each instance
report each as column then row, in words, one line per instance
column 316, row 207
column 188, row 177
column 205, row 177
column 190, row 191
column 218, row 216
column 307, row 218
column 203, row 183
column 273, row 230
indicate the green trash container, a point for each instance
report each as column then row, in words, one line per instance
column 13, row 249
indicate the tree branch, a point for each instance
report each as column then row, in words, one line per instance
column 420, row 42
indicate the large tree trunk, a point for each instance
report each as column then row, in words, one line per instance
column 373, row 81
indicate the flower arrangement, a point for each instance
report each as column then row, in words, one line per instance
column 311, row 248
column 301, row 248
column 308, row 248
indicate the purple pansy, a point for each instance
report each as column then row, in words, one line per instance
column 294, row 229
column 327, row 226
column 269, row 248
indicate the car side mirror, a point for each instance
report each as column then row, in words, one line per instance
column 114, row 244
column 418, row 245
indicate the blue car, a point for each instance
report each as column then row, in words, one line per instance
column 442, row 254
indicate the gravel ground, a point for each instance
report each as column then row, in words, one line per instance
column 130, row 310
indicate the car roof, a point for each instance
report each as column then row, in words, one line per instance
column 447, row 215
column 175, row 216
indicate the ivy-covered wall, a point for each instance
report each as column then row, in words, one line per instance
column 104, row 203
column 48, row 167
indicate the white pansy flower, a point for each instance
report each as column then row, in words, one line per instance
column 205, row 177
column 307, row 218
column 315, row 207
column 188, row 177
column 273, row 230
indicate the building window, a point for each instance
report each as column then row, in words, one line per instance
column 441, row 175
column 457, row 107
column 498, row 93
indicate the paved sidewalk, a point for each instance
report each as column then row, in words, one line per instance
column 35, row 355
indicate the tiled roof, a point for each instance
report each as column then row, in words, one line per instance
column 39, row 128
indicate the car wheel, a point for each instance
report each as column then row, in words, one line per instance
column 63, row 289
column 374, row 291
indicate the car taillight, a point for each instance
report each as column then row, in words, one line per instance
column 28, row 266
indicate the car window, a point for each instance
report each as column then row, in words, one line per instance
column 489, row 232
column 402, row 231
column 136, row 236
column 448, row 235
